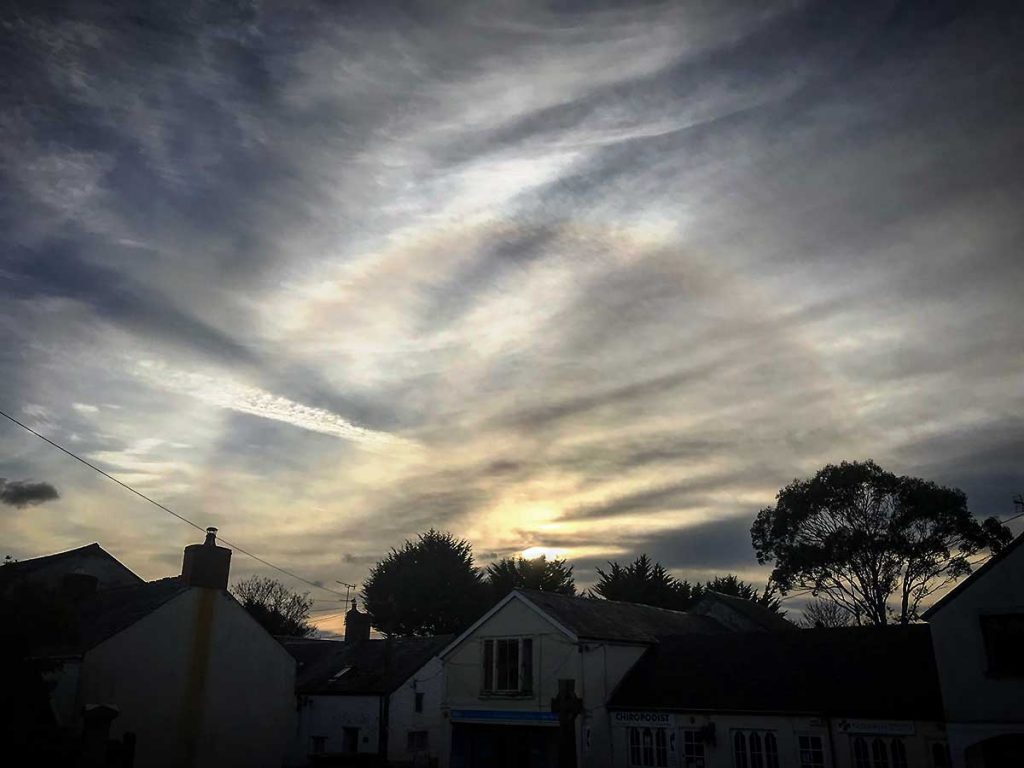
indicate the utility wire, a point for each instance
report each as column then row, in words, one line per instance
column 169, row 511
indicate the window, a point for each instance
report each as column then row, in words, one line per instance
column 319, row 745
column 508, row 665
column 739, row 749
column 860, row 753
column 648, row 747
column 416, row 741
column 693, row 750
column 879, row 753
column 940, row 755
column 755, row 749
column 349, row 740
column 1004, row 637
column 419, row 701
column 812, row 752
column 756, row 753
column 899, row 753
column 771, row 751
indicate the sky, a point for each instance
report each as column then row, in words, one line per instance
column 588, row 277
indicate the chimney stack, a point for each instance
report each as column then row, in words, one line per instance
column 357, row 625
column 207, row 564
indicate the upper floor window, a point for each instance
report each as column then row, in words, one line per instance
column 1004, row 637
column 648, row 748
column 418, row 701
column 508, row 665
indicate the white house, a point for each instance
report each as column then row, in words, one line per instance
column 367, row 697
column 978, row 634
column 858, row 697
column 502, row 673
column 189, row 672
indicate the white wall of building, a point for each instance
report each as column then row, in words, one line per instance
column 978, row 706
column 327, row 717
column 403, row 717
column 239, row 712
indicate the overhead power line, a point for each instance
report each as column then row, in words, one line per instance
column 166, row 509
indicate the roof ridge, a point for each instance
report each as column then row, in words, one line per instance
column 600, row 600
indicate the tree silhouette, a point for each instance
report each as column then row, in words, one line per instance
column 859, row 536
column 280, row 610
column 646, row 582
column 821, row 613
column 425, row 587
column 539, row 573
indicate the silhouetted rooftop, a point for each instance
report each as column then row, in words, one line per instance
column 753, row 612
column 597, row 619
column 871, row 672
column 335, row 667
column 23, row 568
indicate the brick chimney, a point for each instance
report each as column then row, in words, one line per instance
column 357, row 625
column 207, row 564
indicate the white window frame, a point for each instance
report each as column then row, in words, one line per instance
column 524, row 672
column 690, row 737
column 824, row 749
column 636, row 751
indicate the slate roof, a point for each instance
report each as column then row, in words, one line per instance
column 107, row 612
column 751, row 611
column 24, row 568
column 977, row 574
column 869, row 672
column 596, row 619
column 334, row 667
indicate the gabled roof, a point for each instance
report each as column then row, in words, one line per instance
column 369, row 667
column 869, row 672
column 24, row 568
column 592, row 618
column 103, row 614
column 755, row 613
column 980, row 572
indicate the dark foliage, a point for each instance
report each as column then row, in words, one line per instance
column 519, row 573
column 280, row 610
column 426, row 587
column 646, row 582
column 864, row 538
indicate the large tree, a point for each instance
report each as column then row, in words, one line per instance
column 875, row 543
column 425, row 587
column 644, row 581
column 280, row 610
column 539, row 573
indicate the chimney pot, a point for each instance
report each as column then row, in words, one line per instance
column 207, row 564
column 357, row 625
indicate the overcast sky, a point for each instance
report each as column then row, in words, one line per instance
column 593, row 277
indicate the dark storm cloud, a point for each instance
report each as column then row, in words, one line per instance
column 26, row 493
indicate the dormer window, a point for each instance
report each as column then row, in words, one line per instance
column 508, row 665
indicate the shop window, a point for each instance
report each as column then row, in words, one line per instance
column 648, row 747
column 755, row 749
column 940, row 755
column 771, row 751
column 693, row 750
column 812, row 752
column 898, row 750
column 319, row 745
